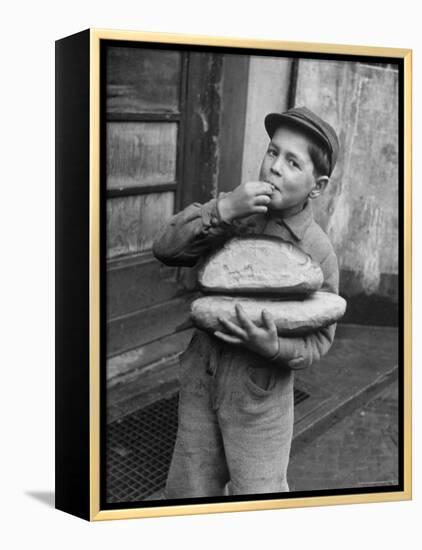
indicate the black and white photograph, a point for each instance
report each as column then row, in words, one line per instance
column 251, row 274
column 210, row 302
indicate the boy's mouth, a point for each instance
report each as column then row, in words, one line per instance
column 274, row 188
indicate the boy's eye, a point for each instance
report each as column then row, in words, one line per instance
column 272, row 153
column 293, row 163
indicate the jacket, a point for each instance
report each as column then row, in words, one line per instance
column 197, row 230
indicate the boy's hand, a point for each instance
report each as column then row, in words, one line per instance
column 262, row 340
column 251, row 197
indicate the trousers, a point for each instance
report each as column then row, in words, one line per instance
column 235, row 423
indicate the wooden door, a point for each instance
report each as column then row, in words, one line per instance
column 162, row 119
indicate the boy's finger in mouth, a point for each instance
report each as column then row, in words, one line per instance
column 272, row 186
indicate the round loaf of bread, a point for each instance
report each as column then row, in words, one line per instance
column 260, row 264
column 292, row 317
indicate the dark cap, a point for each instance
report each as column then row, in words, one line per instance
column 305, row 118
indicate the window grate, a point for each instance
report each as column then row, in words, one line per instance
column 140, row 447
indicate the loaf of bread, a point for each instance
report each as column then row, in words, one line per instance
column 260, row 264
column 292, row 317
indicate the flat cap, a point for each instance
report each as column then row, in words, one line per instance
column 305, row 118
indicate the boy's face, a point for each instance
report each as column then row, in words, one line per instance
column 288, row 166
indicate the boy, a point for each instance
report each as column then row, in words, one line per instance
column 236, row 386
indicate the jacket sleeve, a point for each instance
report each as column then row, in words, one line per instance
column 300, row 352
column 191, row 233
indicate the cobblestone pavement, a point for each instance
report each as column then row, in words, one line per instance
column 360, row 450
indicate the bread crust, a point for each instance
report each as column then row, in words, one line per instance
column 260, row 264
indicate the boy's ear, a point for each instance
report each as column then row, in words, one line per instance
column 319, row 187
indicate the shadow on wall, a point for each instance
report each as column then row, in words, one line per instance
column 378, row 308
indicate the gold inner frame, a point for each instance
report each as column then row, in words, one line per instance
column 96, row 514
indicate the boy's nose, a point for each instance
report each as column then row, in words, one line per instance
column 276, row 167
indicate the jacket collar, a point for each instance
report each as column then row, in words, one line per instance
column 298, row 223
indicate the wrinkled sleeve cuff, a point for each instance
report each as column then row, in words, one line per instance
column 289, row 355
column 211, row 216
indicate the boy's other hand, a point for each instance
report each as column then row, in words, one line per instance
column 251, row 197
column 260, row 339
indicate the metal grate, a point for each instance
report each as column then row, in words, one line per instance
column 140, row 447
